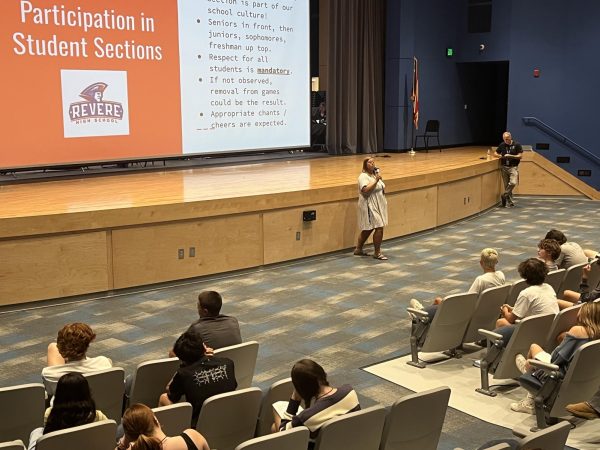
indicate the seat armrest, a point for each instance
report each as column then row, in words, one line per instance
column 489, row 334
column 418, row 312
column 542, row 365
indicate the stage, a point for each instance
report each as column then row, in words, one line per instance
column 97, row 234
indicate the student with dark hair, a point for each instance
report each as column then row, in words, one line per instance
column 143, row 432
column 322, row 401
column 69, row 354
column 537, row 298
column 571, row 253
column 549, row 251
column 199, row 376
column 73, row 406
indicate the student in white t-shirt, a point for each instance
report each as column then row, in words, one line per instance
column 69, row 354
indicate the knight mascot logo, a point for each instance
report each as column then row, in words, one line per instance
column 95, row 107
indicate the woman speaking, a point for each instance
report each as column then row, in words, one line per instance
column 372, row 209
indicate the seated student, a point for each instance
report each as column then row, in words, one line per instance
column 199, row 376
column 69, row 354
column 549, row 251
column 571, row 253
column 491, row 278
column 73, row 406
column 586, row 330
column 143, row 432
column 322, row 401
column 537, row 298
column 584, row 295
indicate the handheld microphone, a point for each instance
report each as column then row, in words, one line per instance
column 376, row 170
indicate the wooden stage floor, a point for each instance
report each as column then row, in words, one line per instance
column 104, row 233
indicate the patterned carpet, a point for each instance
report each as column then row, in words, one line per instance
column 346, row 312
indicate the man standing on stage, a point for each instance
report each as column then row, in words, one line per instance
column 510, row 153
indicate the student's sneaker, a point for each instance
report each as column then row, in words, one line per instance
column 477, row 363
column 415, row 304
column 521, row 363
column 527, row 405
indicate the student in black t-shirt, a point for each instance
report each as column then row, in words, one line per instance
column 200, row 375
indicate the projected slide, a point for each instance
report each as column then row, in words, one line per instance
column 119, row 79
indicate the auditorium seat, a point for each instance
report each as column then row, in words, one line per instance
column 555, row 278
column 486, row 311
column 108, row 387
column 22, row 411
column 563, row 322
column 244, row 359
column 357, row 430
column 415, row 421
column 279, row 391
column 294, row 439
column 12, row 445
column 515, row 290
column 150, row 380
column 174, row 418
column 92, row 436
column 572, row 279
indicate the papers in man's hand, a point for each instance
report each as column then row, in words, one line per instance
column 281, row 406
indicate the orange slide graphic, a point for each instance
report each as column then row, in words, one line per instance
column 88, row 81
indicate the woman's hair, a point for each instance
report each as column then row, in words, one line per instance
column 551, row 246
column 307, row 378
column 139, row 424
column 489, row 258
column 73, row 404
column 589, row 318
column 533, row 270
column 365, row 163
column 73, row 340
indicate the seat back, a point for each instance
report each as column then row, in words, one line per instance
column 150, row 380
column 486, row 311
column 294, row 439
column 581, row 380
column 279, row 391
column 450, row 323
column 432, row 126
column 416, row 420
column 13, row 445
column 551, row 438
column 594, row 275
column 501, row 446
column 563, row 321
column 514, row 292
column 244, row 359
column 22, row 410
column 572, row 279
column 529, row 330
column 226, row 420
column 358, row 430
column 93, row 436
column 174, row 418
column 555, row 278
column 108, row 387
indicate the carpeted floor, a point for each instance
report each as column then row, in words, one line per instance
column 345, row 312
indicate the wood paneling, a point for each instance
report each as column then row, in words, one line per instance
column 334, row 229
column 53, row 267
column 411, row 211
column 458, row 199
column 149, row 254
column 535, row 180
column 491, row 187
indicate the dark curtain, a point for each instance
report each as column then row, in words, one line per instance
column 355, row 76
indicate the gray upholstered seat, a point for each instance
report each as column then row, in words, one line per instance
column 92, row 436
column 226, row 420
column 22, row 411
column 108, row 387
column 12, row 445
column 514, row 292
column 563, row 321
column 278, row 391
column 244, row 359
column 174, row 418
column 572, row 279
column 358, row 430
column 294, row 439
column 486, row 311
column 551, row 438
column 150, row 380
column 555, row 278
column 447, row 329
column 415, row 421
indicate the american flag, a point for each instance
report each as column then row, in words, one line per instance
column 415, row 93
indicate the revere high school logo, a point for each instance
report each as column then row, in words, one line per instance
column 92, row 107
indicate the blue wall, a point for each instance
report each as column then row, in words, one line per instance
column 561, row 39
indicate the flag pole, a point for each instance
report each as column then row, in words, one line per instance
column 414, row 98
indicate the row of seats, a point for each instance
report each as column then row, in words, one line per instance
column 228, row 420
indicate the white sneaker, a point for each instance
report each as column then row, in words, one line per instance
column 527, row 405
column 477, row 363
column 521, row 363
column 415, row 304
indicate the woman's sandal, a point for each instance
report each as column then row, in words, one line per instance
column 381, row 257
column 361, row 253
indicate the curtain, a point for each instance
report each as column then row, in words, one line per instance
column 356, row 34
